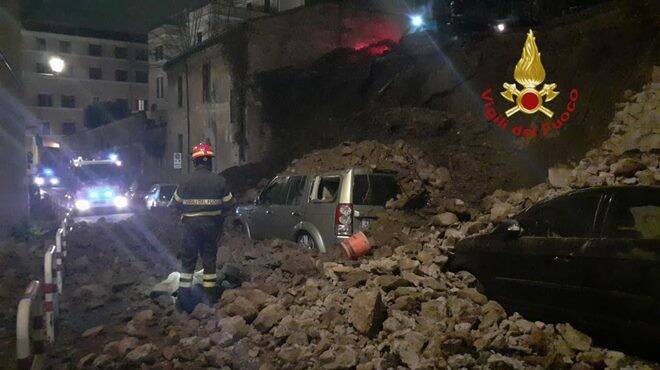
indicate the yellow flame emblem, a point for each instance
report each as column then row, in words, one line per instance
column 529, row 73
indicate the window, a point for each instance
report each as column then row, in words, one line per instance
column 158, row 53
column 95, row 50
column 41, row 68
column 68, row 101
column 121, row 53
column 160, row 87
column 570, row 216
column 275, row 193
column 41, row 44
column 141, row 76
column 634, row 215
column 206, row 82
column 141, row 54
column 121, row 75
column 140, row 105
column 179, row 91
column 374, row 189
column 95, row 73
column 325, row 189
column 296, row 190
column 68, row 128
column 65, row 47
column 45, row 128
column 45, row 100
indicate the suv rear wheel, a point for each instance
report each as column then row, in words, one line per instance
column 306, row 241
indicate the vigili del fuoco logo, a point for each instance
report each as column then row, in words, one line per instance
column 529, row 73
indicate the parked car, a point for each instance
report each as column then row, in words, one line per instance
column 590, row 257
column 318, row 210
column 159, row 195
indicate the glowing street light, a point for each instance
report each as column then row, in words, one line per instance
column 56, row 64
column 416, row 20
column 501, row 27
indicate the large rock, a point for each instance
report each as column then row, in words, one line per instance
column 444, row 219
column 626, row 167
column 500, row 211
column 241, row 307
column 473, row 295
column 232, row 329
column 574, row 339
column 343, row 357
column 269, row 317
column 143, row 353
column 368, row 312
column 560, row 177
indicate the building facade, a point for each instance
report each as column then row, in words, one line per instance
column 97, row 67
column 13, row 161
column 213, row 90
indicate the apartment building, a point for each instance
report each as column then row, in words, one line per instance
column 66, row 69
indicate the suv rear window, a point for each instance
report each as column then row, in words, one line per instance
column 374, row 189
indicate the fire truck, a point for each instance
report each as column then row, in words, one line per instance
column 99, row 186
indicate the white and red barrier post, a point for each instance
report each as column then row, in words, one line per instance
column 50, row 294
column 59, row 240
column 30, row 329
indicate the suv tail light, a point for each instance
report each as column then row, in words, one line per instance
column 344, row 219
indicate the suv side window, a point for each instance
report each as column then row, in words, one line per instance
column 327, row 189
column 275, row 193
column 634, row 215
column 296, row 189
column 374, row 189
column 568, row 217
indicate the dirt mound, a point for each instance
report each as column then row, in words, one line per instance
column 393, row 308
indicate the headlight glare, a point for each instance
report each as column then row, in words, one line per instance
column 39, row 180
column 82, row 205
column 120, row 201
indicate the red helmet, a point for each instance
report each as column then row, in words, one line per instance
column 202, row 150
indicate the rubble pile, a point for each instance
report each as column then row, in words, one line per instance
column 393, row 308
column 421, row 182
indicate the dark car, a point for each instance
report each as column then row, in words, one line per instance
column 590, row 257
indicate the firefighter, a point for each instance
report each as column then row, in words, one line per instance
column 202, row 199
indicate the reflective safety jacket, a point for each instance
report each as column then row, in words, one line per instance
column 203, row 194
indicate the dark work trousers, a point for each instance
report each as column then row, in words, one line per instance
column 200, row 238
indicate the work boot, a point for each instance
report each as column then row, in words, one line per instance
column 212, row 294
column 189, row 298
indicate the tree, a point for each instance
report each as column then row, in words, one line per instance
column 100, row 114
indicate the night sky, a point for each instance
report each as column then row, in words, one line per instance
column 133, row 16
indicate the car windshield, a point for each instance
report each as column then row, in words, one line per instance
column 98, row 173
column 374, row 189
column 166, row 191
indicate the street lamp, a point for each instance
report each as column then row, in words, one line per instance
column 56, row 64
column 416, row 20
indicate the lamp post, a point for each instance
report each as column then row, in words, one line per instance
column 57, row 64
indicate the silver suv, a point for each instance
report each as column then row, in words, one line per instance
column 318, row 210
